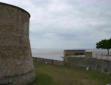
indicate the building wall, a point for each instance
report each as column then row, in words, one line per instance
column 15, row 52
column 76, row 53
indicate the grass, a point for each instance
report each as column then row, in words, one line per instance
column 63, row 75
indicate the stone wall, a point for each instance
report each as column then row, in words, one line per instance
column 47, row 61
column 91, row 63
column 15, row 53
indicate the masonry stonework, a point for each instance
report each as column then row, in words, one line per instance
column 91, row 63
column 48, row 61
column 15, row 54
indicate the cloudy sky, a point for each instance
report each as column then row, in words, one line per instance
column 67, row 24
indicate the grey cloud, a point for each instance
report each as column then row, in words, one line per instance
column 67, row 23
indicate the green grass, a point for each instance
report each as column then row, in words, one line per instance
column 63, row 75
column 43, row 79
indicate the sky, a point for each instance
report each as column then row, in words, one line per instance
column 67, row 24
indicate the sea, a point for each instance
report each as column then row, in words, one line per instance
column 54, row 54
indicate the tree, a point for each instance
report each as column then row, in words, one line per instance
column 104, row 44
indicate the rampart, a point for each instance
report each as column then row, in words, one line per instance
column 48, row 61
column 90, row 63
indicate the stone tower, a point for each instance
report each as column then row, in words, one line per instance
column 16, row 65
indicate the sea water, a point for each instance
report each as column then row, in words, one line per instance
column 53, row 54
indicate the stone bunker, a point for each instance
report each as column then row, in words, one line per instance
column 16, row 66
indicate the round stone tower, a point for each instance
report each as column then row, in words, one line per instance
column 16, row 66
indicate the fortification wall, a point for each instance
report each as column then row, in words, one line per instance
column 15, row 53
column 90, row 63
column 47, row 61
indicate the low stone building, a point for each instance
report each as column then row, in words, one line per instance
column 76, row 53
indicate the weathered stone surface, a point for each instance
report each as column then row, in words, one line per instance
column 92, row 63
column 15, row 52
column 48, row 61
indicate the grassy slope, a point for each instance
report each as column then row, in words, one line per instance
column 62, row 75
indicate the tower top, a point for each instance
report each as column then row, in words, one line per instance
column 1, row 3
